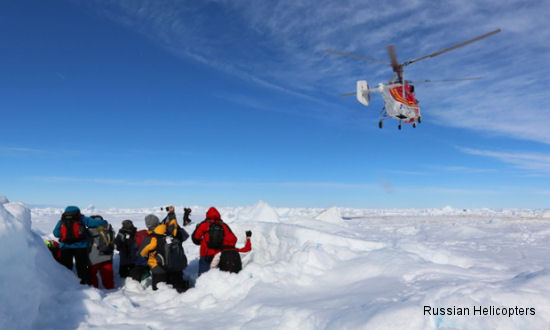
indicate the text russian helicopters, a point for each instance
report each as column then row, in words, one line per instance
column 399, row 100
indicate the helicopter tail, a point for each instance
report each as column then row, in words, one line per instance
column 363, row 93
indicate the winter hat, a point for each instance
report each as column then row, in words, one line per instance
column 128, row 225
column 213, row 214
column 97, row 217
column 151, row 221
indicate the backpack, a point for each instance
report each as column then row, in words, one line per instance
column 72, row 229
column 140, row 236
column 106, row 245
column 216, row 235
column 230, row 261
column 170, row 256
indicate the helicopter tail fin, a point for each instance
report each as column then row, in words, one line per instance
column 363, row 93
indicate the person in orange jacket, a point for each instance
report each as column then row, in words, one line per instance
column 212, row 235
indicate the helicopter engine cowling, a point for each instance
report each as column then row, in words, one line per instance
column 363, row 93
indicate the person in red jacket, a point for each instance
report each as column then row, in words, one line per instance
column 212, row 235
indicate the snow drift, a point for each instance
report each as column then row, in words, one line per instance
column 33, row 285
column 378, row 271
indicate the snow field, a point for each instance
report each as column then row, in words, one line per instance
column 309, row 269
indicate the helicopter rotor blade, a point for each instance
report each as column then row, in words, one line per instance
column 394, row 64
column 358, row 57
column 451, row 48
column 442, row 80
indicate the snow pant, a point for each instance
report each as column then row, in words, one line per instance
column 106, row 271
column 204, row 264
column 80, row 256
column 139, row 273
column 177, row 281
column 159, row 275
column 124, row 270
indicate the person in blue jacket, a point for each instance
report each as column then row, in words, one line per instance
column 74, row 240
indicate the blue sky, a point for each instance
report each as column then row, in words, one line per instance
column 140, row 103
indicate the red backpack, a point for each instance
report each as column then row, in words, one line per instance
column 140, row 236
column 72, row 229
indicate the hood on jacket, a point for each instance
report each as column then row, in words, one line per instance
column 151, row 221
column 213, row 214
column 160, row 230
column 72, row 209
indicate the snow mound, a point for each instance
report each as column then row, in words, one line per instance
column 260, row 212
column 32, row 279
column 330, row 215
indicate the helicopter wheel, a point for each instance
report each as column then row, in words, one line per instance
column 380, row 124
column 399, row 127
column 419, row 119
column 414, row 125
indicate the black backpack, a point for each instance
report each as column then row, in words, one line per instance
column 230, row 261
column 216, row 235
column 106, row 244
column 170, row 256
column 72, row 229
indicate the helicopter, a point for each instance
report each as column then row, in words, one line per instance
column 400, row 102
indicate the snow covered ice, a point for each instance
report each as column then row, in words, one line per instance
column 309, row 269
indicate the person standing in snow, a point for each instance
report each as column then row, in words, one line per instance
column 74, row 240
column 100, row 253
column 177, row 235
column 127, row 248
column 229, row 259
column 148, row 248
column 212, row 235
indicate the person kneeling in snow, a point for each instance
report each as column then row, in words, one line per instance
column 100, row 253
column 73, row 238
column 212, row 235
column 229, row 259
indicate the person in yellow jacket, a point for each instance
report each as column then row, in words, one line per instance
column 149, row 248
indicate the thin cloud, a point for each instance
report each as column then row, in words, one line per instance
column 462, row 169
column 523, row 160
column 155, row 182
column 278, row 45
column 21, row 150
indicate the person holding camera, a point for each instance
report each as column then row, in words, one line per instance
column 172, row 227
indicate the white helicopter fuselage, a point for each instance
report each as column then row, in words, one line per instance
column 395, row 105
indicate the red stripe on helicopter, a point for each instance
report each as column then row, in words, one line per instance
column 397, row 94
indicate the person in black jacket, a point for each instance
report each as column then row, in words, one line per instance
column 126, row 245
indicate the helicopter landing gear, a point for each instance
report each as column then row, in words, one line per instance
column 399, row 127
column 380, row 124
column 419, row 119
column 414, row 125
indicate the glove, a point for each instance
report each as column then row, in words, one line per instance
column 186, row 211
column 248, row 233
